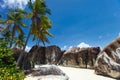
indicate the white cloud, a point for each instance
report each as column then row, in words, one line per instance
column 83, row 45
column 27, row 48
column 15, row 3
column 70, row 47
column 64, row 47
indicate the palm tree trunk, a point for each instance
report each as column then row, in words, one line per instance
column 13, row 33
column 19, row 61
column 11, row 43
column 26, row 40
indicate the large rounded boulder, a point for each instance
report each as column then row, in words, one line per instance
column 37, row 54
column 108, row 61
column 80, row 57
column 45, row 55
column 52, row 54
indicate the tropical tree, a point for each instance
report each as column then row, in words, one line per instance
column 6, row 36
column 41, row 33
column 1, row 28
column 40, row 23
column 19, row 41
column 14, row 23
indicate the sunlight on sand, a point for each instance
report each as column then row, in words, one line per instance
column 82, row 74
column 73, row 74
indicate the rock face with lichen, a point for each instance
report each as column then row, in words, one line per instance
column 45, row 55
column 108, row 61
column 80, row 57
column 52, row 54
column 37, row 54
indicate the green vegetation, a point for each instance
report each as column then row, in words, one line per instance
column 14, row 23
column 8, row 69
column 35, row 21
column 12, row 35
column 40, row 24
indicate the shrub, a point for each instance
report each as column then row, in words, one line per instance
column 8, row 69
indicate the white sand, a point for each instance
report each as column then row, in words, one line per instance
column 74, row 74
column 49, row 77
column 82, row 74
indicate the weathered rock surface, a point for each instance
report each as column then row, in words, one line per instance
column 37, row 54
column 51, row 70
column 80, row 57
column 25, row 63
column 45, row 55
column 108, row 61
column 73, row 50
column 48, row 70
column 91, row 57
column 52, row 54
column 74, row 57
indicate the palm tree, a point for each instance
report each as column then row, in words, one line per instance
column 41, row 33
column 19, row 41
column 6, row 36
column 40, row 23
column 14, row 22
column 1, row 28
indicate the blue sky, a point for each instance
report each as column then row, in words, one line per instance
column 90, row 22
column 94, row 22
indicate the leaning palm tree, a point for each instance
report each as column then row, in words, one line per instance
column 40, row 32
column 19, row 41
column 40, row 23
column 14, row 23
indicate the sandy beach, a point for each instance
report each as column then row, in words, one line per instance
column 73, row 74
column 82, row 74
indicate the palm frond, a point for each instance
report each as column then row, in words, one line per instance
column 19, row 29
column 22, row 24
column 29, row 15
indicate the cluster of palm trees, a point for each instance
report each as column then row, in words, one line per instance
column 13, row 27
